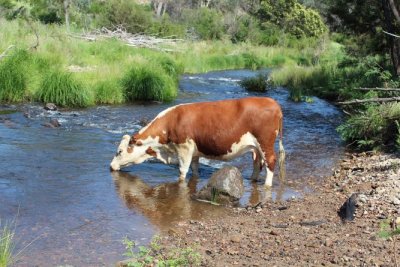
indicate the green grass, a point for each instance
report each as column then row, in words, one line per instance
column 14, row 77
column 157, row 255
column 109, row 92
column 377, row 127
column 255, row 84
column 102, row 66
column 148, row 83
column 6, row 245
column 62, row 89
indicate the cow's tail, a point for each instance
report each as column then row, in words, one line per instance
column 282, row 154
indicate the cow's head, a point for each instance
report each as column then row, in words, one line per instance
column 131, row 151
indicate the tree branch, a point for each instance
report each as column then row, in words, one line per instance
column 379, row 89
column 370, row 100
column 394, row 10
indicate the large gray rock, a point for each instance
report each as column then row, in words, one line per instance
column 225, row 186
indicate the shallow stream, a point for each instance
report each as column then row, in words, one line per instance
column 66, row 206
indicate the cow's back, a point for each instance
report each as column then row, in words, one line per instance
column 215, row 126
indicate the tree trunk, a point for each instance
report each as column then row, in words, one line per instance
column 66, row 11
column 391, row 16
column 159, row 9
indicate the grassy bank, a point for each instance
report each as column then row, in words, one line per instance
column 110, row 72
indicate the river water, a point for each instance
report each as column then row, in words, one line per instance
column 68, row 209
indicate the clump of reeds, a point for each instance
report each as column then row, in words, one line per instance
column 148, row 83
column 13, row 77
column 61, row 88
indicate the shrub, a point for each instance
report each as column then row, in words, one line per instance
column 13, row 77
column 148, row 83
column 134, row 17
column 255, row 84
column 206, row 22
column 62, row 89
column 109, row 92
column 374, row 128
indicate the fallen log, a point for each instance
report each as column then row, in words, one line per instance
column 370, row 100
column 379, row 89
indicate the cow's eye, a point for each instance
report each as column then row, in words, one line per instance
column 118, row 153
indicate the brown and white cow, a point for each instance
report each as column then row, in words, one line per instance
column 219, row 130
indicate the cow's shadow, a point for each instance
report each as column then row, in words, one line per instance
column 163, row 204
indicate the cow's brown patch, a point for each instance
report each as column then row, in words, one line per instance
column 151, row 152
column 215, row 126
column 129, row 149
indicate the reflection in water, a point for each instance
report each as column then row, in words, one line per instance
column 164, row 204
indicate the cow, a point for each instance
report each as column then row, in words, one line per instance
column 219, row 130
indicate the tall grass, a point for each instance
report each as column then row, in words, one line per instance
column 6, row 245
column 109, row 92
column 61, row 88
column 148, row 83
column 377, row 127
column 13, row 77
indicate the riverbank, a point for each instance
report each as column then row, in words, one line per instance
column 306, row 231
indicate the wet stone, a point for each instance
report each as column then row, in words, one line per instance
column 50, row 107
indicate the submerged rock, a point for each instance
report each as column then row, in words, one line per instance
column 225, row 186
column 54, row 123
column 50, row 106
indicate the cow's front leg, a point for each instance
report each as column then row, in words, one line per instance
column 185, row 155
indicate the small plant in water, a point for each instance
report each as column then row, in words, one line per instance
column 6, row 245
column 255, row 84
column 214, row 195
column 156, row 255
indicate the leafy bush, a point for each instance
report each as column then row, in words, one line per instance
column 13, row 77
column 148, row 83
column 206, row 22
column 255, row 84
column 292, row 17
column 134, row 17
column 374, row 128
column 62, row 89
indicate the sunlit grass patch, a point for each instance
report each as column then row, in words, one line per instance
column 61, row 88
column 14, row 77
column 148, row 83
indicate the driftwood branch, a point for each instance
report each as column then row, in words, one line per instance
column 370, row 100
column 4, row 54
column 379, row 89
column 136, row 40
column 391, row 34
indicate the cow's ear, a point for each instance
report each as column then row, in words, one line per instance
column 133, row 139
column 151, row 152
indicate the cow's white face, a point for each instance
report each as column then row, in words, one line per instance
column 128, row 154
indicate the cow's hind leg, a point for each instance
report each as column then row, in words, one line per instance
column 269, row 161
column 257, row 165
